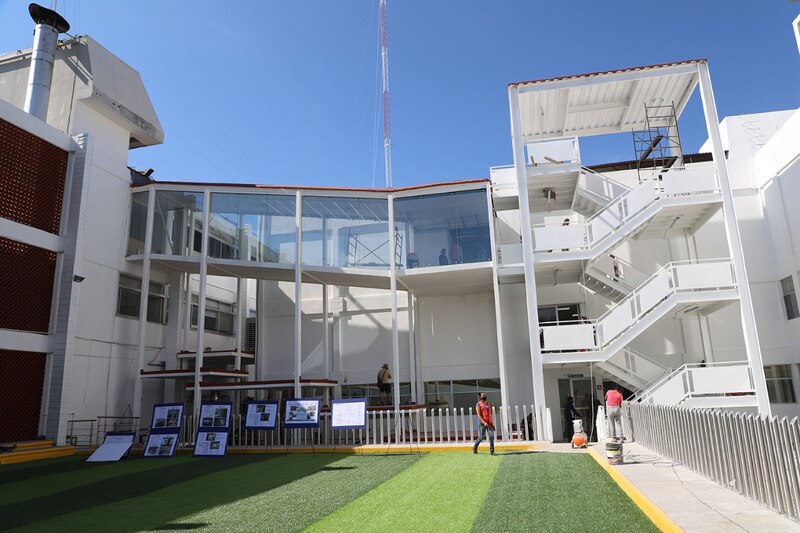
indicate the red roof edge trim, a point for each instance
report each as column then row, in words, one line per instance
column 603, row 72
column 315, row 188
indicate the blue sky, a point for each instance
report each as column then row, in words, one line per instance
column 288, row 92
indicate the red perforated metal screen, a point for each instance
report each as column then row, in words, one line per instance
column 21, row 381
column 32, row 175
column 26, row 286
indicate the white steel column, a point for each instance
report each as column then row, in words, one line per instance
column 702, row 319
column 393, row 290
column 412, row 352
column 531, row 299
column 326, row 332
column 501, row 358
column 298, row 293
column 136, row 408
column 201, row 303
column 734, row 241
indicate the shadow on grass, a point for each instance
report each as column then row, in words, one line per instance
column 22, row 471
column 189, row 498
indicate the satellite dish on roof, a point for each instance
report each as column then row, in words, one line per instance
column 42, row 15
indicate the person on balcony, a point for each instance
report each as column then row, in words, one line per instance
column 484, row 411
column 385, row 384
column 614, row 413
column 443, row 257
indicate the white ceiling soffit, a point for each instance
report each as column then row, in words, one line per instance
column 601, row 103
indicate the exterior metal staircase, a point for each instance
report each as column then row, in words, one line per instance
column 633, row 368
column 689, row 286
column 594, row 191
column 612, row 277
column 701, row 385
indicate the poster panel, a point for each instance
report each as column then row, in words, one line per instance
column 167, row 416
column 215, row 415
column 211, row 443
column 261, row 415
column 160, row 444
column 302, row 413
column 115, row 446
column 349, row 414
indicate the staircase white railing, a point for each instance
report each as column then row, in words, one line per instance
column 700, row 381
column 634, row 367
column 597, row 188
column 673, row 278
column 617, row 273
column 591, row 233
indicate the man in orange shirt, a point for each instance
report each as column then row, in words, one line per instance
column 484, row 411
column 614, row 413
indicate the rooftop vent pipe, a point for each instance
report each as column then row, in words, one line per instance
column 45, row 40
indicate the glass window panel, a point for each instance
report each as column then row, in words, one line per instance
column 547, row 315
column 138, row 223
column 568, row 314
column 128, row 302
column 443, row 229
column 789, row 298
column 178, row 214
column 155, row 309
column 346, row 232
column 254, row 227
column 226, row 323
column 780, row 385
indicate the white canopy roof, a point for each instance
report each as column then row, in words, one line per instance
column 602, row 102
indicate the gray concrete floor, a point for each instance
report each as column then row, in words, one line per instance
column 693, row 502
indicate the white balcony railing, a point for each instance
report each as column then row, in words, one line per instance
column 673, row 278
column 587, row 234
column 700, row 381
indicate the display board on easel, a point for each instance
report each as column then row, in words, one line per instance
column 261, row 414
column 350, row 413
column 165, row 429
column 301, row 413
column 213, row 429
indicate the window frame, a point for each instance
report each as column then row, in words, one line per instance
column 216, row 308
column 157, row 293
column 789, row 296
column 779, row 385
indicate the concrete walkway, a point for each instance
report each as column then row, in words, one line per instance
column 693, row 502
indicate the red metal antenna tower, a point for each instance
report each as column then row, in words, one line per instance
column 387, row 130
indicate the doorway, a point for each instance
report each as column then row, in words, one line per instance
column 581, row 389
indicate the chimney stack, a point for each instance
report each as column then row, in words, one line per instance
column 45, row 40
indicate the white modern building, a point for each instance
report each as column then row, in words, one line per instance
column 673, row 273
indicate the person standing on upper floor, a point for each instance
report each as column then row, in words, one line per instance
column 443, row 257
column 385, row 384
column 614, row 413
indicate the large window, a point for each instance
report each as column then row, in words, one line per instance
column 178, row 214
column 138, row 223
column 779, row 384
column 461, row 393
column 219, row 316
column 129, row 296
column 552, row 315
column 442, row 229
column 789, row 298
column 251, row 227
column 346, row 232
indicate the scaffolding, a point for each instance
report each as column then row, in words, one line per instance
column 658, row 145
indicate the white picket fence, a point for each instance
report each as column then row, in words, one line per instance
column 385, row 427
column 758, row 457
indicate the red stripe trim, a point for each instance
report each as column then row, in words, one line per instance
column 603, row 72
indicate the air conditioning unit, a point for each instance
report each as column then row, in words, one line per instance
column 250, row 335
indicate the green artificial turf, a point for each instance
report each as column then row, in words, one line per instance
column 455, row 491
column 557, row 492
column 239, row 492
column 441, row 492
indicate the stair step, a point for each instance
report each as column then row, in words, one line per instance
column 30, row 445
column 35, row 454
